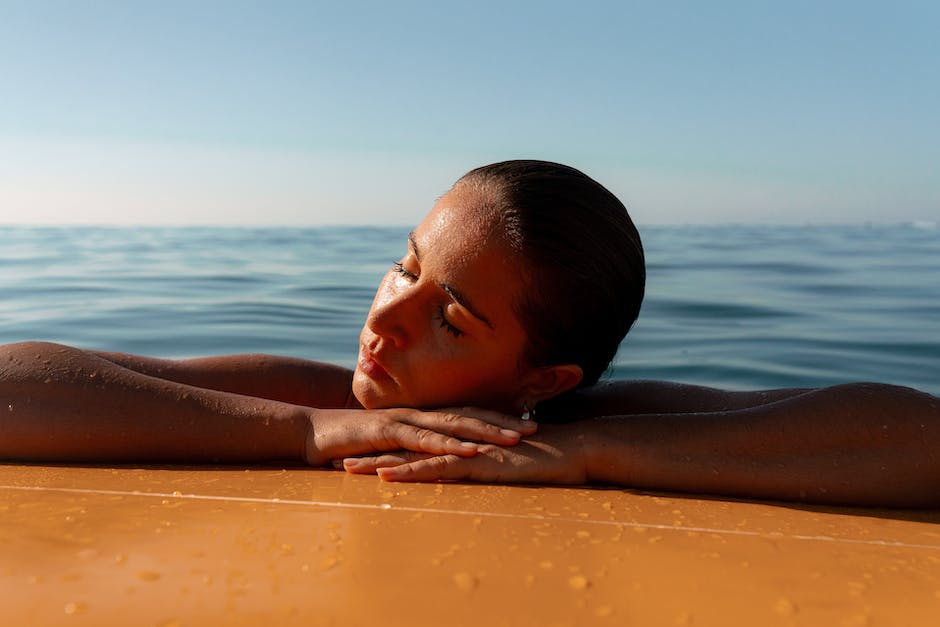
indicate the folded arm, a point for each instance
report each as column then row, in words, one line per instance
column 857, row 444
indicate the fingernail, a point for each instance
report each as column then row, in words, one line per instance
column 509, row 433
column 350, row 463
column 386, row 474
column 468, row 445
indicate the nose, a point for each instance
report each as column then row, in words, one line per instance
column 393, row 317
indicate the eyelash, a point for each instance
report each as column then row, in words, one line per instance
column 445, row 323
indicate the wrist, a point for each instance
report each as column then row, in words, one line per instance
column 605, row 451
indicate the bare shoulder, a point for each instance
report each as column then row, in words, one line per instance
column 634, row 397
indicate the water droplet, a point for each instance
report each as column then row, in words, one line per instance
column 578, row 582
column 785, row 607
column 148, row 575
column 465, row 581
column 75, row 607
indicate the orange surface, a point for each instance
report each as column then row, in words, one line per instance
column 198, row 546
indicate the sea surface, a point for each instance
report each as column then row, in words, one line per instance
column 739, row 307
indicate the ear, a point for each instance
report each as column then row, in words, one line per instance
column 549, row 381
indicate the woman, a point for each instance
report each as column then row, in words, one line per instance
column 512, row 298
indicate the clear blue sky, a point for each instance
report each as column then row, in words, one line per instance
column 363, row 112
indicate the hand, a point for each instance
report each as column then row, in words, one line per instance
column 554, row 456
column 335, row 434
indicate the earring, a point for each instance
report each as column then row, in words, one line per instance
column 526, row 413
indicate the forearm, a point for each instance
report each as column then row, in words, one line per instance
column 857, row 444
column 65, row 404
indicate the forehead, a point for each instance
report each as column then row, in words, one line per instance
column 463, row 211
column 462, row 242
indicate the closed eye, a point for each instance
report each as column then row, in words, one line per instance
column 445, row 323
column 400, row 269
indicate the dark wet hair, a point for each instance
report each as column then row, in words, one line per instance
column 583, row 264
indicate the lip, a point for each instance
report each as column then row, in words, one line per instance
column 370, row 366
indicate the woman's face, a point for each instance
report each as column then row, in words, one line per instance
column 442, row 331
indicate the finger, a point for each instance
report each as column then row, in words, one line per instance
column 460, row 425
column 439, row 467
column 369, row 464
column 499, row 419
column 394, row 436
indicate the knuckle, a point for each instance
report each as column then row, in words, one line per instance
column 450, row 418
column 439, row 463
column 424, row 435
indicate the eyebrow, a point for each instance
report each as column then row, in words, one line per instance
column 450, row 289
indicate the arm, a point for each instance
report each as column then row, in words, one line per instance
column 63, row 404
column 622, row 398
column 287, row 379
column 857, row 444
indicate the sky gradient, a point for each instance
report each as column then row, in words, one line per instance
column 281, row 113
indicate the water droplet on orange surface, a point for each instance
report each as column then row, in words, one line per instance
column 148, row 575
column 578, row 582
column 75, row 607
column 785, row 607
column 465, row 581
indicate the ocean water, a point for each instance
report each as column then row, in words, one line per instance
column 740, row 307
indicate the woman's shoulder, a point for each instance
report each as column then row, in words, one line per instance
column 643, row 396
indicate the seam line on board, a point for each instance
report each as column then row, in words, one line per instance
column 430, row 510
